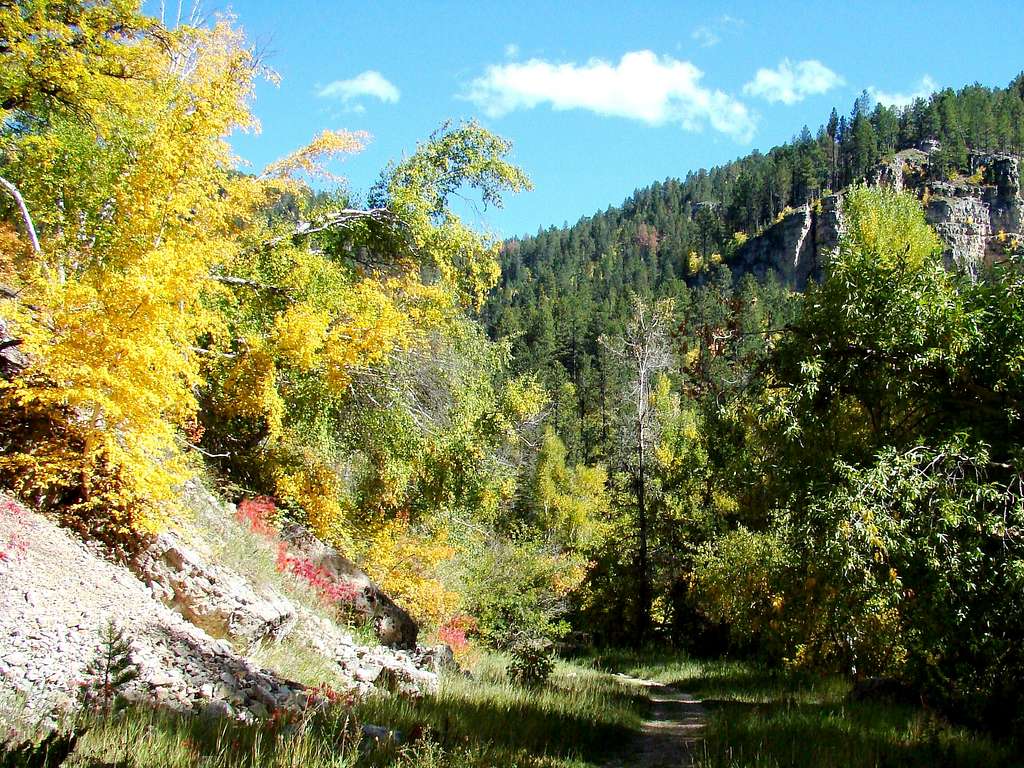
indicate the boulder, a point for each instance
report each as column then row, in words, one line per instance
column 368, row 669
column 437, row 659
column 212, row 598
column 395, row 628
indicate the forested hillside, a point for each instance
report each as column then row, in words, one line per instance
column 297, row 473
column 815, row 476
column 676, row 231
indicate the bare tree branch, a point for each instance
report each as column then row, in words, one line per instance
column 26, row 217
column 246, row 283
column 341, row 220
column 211, row 353
column 207, row 454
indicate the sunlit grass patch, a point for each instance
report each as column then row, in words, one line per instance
column 582, row 713
column 578, row 720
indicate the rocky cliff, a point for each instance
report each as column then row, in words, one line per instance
column 975, row 215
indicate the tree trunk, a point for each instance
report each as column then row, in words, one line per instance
column 643, row 617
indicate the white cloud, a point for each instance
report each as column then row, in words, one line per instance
column 706, row 36
column 925, row 88
column 790, row 82
column 642, row 86
column 366, row 84
column 511, row 51
column 710, row 34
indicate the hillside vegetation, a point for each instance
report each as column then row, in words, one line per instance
column 161, row 308
column 541, row 451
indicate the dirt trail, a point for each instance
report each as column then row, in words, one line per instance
column 671, row 738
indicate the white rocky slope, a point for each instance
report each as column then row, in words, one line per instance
column 56, row 593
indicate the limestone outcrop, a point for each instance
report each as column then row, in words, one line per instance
column 210, row 597
column 56, row 593
column 12, row 361
column 973, row 215
column 795, row 246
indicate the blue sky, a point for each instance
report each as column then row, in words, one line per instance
column 601, row 98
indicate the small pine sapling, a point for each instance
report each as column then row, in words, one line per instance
column 110, row 671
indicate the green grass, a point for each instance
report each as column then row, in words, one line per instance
column 294, row 659
column 766, row 718
column 757, row 718
column 142, row 737
column 575, row 722
column 582, row 714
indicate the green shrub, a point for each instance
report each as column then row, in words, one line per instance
column 532, row 663
column 513, row 590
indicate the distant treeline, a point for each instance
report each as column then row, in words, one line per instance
column 563, row 288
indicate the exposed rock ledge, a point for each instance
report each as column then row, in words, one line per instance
column 56, row 592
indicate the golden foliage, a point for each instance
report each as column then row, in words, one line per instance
column 406, row 565
column 131, row 219
column 312, row 159
column 130, row 338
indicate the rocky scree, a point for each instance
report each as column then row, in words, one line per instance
column 184, row 617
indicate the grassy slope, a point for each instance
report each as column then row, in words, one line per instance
column 576, row 721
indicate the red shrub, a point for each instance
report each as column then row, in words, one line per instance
column 257, row 514
column 331, row 695
column 316, row 576
column 453, row 632
column 17, row 543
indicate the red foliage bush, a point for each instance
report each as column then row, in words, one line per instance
column 17, row 542
column 324, row 691
column 316, row 576
column 257, row 513
column 453, row 632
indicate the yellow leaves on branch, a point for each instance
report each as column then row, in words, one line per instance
column 301, row 332
column 69, row 55
column 367, row 321
column 124, row 162
column 250, row 390
column 375, row 325
column 314, row 486
column 312, row 159
column 127, row 189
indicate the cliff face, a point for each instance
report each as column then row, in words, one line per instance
column 970, row 215
column 794, row 247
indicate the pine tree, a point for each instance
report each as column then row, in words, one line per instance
column 110, row 671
